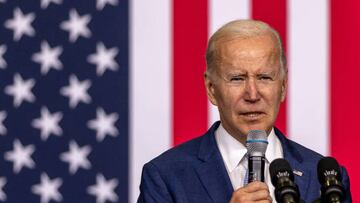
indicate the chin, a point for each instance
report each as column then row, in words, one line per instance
column 256, row 127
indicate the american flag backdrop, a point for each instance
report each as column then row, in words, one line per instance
column 90, row 90
column 64, row 101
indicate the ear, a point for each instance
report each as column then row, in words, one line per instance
column 284, row 87
column 210, row 89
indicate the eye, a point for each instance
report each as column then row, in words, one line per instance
column 237, row 79
column 266, row 77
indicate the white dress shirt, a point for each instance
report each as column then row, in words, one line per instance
column 233, row 153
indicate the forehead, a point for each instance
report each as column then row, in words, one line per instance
column 256, row 52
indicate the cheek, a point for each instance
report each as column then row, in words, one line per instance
column 236, row 104
column 229, row 98
column 276, row 101
column 272, row 97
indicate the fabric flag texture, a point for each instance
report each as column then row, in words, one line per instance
column 168, row 99
column 90, row 90
column 64, row 101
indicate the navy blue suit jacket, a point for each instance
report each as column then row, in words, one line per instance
column 195, row 172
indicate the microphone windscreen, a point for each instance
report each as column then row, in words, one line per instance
column 256, row 142
column 328, row 166
column 280, row 168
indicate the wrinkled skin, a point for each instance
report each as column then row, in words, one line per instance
column 248, row 84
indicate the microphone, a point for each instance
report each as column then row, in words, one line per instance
column 332, row 190
column 256, row 145
column 282, row 177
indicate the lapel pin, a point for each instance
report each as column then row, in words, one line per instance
column 298, row 173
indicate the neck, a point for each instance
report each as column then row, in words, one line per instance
column 240, row 137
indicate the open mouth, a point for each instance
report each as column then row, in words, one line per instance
column 253, row 114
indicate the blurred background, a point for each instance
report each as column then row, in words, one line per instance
column 90, row 90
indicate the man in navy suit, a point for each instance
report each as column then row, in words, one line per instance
column 246, row 78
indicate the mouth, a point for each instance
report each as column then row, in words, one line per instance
column 252, row 115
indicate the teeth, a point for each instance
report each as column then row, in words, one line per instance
column 252, row 114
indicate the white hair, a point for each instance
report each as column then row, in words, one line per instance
column 241, row 29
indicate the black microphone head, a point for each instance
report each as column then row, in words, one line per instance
column 256, row 142
column 280, row 168
column 332, row 189
column 328, row 166
column 282, row 178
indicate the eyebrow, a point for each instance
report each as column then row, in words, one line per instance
column 268, row 73
column 241, row 73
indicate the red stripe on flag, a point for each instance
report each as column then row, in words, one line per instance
column 345, row 97
column 275, row 14
column 190, row 108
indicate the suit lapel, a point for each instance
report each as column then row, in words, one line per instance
column 213, row 175
column 211, row 170
column 293, row 156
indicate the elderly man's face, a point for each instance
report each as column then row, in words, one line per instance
column 247, row 85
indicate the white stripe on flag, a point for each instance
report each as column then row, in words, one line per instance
column 150, row 79
column 308, row 119
column 221, row 12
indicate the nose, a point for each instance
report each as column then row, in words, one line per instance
column 251, row 91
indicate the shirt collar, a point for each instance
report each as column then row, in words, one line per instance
column 234, row 151
column 231, row 150
column 274, row 148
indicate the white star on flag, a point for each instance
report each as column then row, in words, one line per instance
column 76, row 91
column 21, row 90
column 104, row 59
column 104, row 124
column 104, row 190
column 76, row 25
column 21, row 24
column 45, row 3
column 2, row 184
column 76, row 157
column 100, row 4
column 48, row 189
column 2, row 1
column 48, row 123
column 20, row 156
column 3, row 63
column 3, row 116
column 48, row 58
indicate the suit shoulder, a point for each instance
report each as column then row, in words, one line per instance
column 184, row 152
column 297, row 150
column 308, row 155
